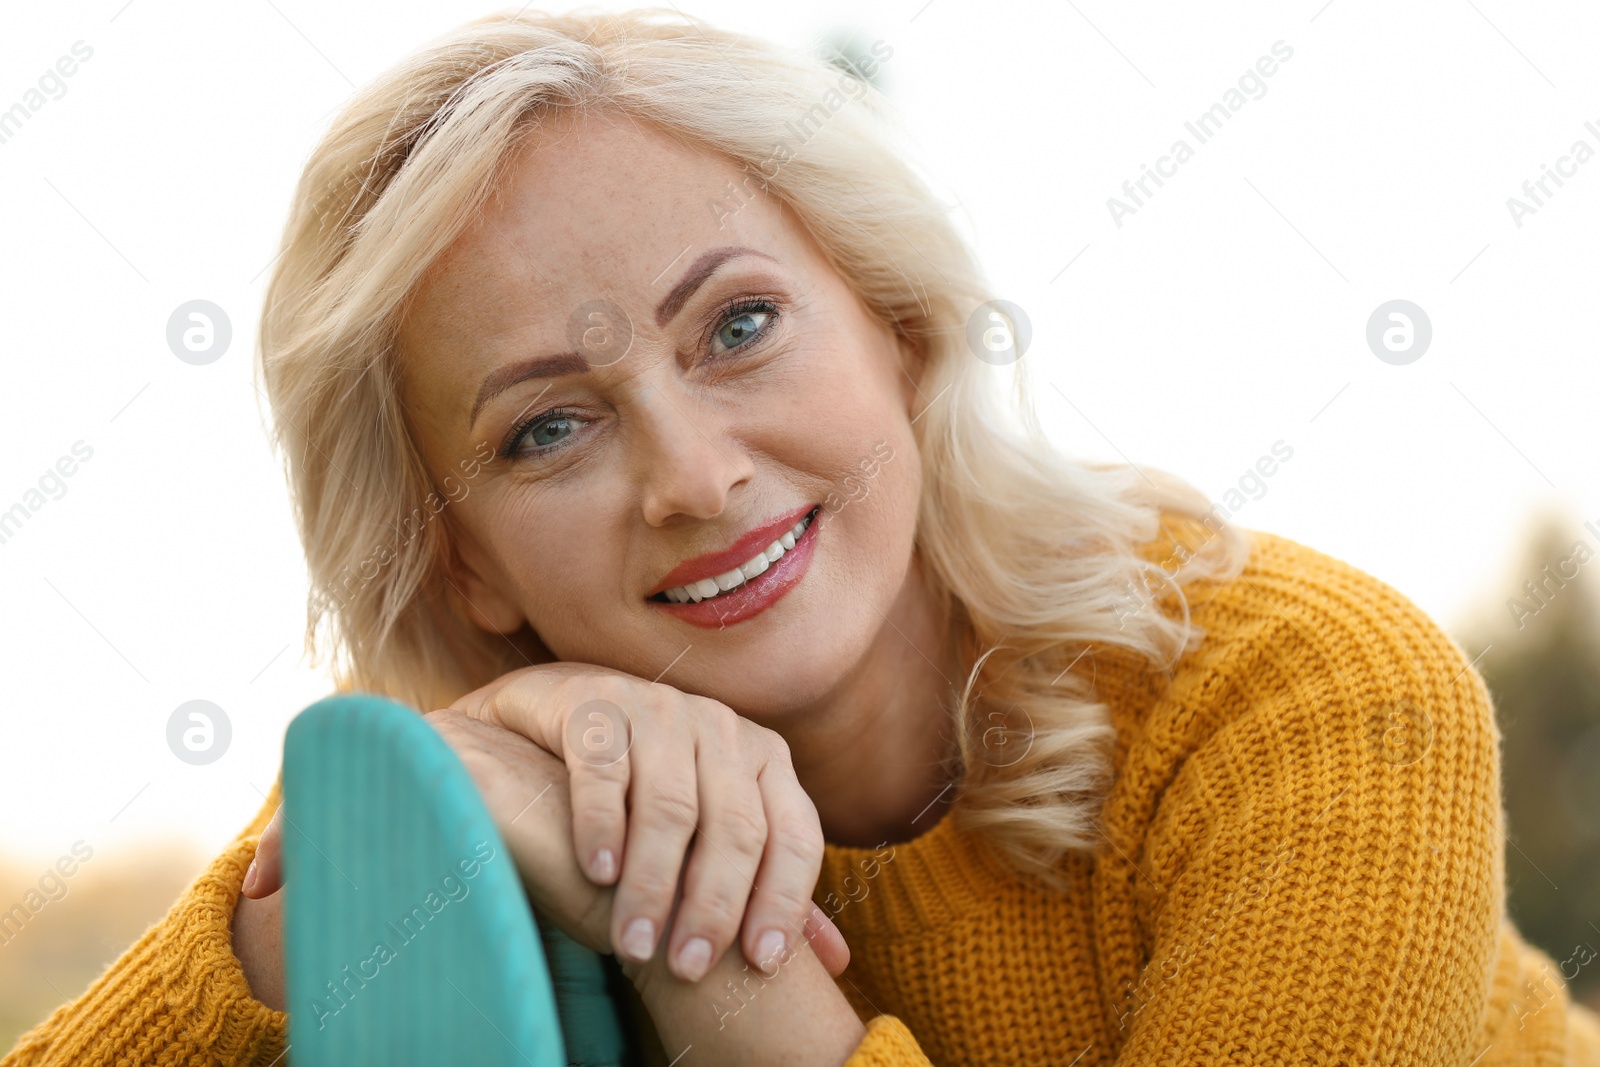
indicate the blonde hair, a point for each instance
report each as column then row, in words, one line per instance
column 1033, row 554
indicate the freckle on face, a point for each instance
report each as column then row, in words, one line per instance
column 693, row 438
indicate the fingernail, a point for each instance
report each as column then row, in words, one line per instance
column 639, row 939
column 604, row 865
column 769, row 948
column 250, row 876
column 694, row 958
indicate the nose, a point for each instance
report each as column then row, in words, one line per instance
column 689, row 461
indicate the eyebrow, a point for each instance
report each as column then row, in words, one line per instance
column 698, row 272
column 554, row 366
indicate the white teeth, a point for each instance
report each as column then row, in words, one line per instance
column 757, row 564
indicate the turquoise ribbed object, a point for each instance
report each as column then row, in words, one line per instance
column 408, row 936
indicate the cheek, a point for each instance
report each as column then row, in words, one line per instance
column 554, row 562
column 859, row 440
column 829, row 431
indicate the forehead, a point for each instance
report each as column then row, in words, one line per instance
column 593, row 206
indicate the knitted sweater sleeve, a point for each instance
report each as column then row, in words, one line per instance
column 1312, row 837
column 888, row 1043
column 177, row 997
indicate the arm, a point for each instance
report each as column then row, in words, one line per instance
column 793, row 1014
column 178, row 996
column 1322, row 878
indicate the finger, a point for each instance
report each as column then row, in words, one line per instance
column 526, row 790
column 827, row 942
column 526, row 702
column 599, row 773
column 265, row 875
column 789, row 867
column 539, row 702
column 725, row 857
column 569, row 713
column 663, row 808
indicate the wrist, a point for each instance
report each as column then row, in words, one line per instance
column 740, row 1014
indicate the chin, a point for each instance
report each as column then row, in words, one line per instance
column 803, row 666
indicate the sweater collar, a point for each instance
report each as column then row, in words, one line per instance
column 902, row 886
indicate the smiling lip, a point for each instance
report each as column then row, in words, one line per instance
column 741, row 551
column 757, row 594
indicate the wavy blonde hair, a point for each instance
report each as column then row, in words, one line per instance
column 1034, row 555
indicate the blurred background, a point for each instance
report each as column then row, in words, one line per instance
column 1378, row 257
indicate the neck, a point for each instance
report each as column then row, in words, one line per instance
column 874, row 755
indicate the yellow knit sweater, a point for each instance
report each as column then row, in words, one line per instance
column 1304, row 863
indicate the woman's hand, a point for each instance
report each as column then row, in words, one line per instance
column 648, row 766
column 257, row 927
column 525, row 789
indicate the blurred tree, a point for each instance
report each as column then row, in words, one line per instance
column 106, row 907
column 842, row 46
column 1542, row 666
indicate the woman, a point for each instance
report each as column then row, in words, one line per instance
column 620, row 362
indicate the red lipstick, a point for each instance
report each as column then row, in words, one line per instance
column 754, row 595
column 741, row 551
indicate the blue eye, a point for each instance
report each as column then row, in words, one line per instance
column 559, row 423
column 744, row 321
column 546, row 431
column 741, row 323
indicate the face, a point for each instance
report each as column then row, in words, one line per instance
column 670, row 377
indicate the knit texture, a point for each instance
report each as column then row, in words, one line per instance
column 1303, row 862
column 178, row 997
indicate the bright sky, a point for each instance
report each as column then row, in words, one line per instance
column 1227, row 313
